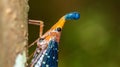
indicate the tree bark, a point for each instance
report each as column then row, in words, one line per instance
column 13, row 32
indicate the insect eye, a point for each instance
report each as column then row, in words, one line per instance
column 59, row 29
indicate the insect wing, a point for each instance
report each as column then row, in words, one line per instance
column 51, row 56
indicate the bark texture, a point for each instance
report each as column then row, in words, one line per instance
column 13, row 30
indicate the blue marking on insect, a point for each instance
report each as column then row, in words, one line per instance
column 51, row 57
column 72, row 16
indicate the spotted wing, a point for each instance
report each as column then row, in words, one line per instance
column 51, row 56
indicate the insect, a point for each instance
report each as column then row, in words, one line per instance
column 46, row 52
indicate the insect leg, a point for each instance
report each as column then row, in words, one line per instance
column 33, row 43
column 40, row 23
column 31, row 55
column 35, row 22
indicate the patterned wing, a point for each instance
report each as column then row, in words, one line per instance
column 50, row 58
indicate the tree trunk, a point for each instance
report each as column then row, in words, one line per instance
column 13, row 32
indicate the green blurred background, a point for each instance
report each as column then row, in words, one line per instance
column 92, row 41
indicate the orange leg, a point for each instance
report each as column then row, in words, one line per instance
column 41, row 24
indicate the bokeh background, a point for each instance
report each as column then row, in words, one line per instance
column 91, row 41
